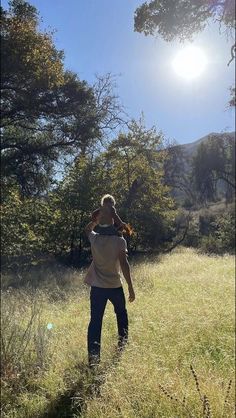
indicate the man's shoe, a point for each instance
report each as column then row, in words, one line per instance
column 93, row 361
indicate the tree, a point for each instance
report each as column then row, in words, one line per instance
column 47, row 113
column 110, row 112
column 203, row 175
column 214, row 162
column 134, row 172
column 24, row 227
column 177, row 174
column 30, row 66
column 75, row 198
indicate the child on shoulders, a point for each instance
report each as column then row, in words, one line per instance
column 107, row 219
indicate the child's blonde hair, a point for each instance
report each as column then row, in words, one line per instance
column 108, row 198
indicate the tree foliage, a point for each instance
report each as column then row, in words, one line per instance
column 221, row 236
column 30, row 67
column 137, row 158
column 214, row 162
column 47, row 112
column 183, row 18
column 177, row 174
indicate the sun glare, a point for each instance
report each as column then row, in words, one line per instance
column 190, row 62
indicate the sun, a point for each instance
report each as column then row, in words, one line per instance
column 190, row 62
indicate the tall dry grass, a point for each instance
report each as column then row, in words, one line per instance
column 179, row 361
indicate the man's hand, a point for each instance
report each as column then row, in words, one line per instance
column 131, row 294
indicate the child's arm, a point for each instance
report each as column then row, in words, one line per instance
column 126, row 227
column 116, row 218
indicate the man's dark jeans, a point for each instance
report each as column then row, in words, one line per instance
column 98, row 299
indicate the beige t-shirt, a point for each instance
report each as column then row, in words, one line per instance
column 105, row 268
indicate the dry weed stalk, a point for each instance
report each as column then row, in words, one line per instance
column 204, row 399
column 196, row 382
column 206, row 407
column 168, row 395
column 227, row 396
column 173, row 398
column 207, row 411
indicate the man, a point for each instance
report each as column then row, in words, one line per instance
column 109, row 254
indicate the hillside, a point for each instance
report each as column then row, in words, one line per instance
column 181, row 157
column 189, row 149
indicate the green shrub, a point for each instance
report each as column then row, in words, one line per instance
column 222, row 237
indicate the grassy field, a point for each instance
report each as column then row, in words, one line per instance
column 183, row 316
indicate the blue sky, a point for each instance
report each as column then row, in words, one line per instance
column 98, row 37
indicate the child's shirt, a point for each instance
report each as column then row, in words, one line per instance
column 106, row 215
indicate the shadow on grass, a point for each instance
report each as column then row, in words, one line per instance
column 72, row 402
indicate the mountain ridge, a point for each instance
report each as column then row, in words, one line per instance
column 191, row 147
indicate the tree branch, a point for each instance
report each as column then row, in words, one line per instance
column 233, row 51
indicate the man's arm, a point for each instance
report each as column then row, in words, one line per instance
column 125, row 267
